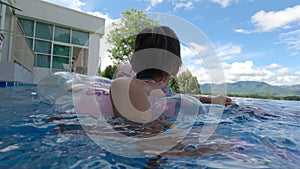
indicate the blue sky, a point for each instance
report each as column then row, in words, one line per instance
column 254, row 39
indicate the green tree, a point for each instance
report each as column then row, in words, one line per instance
column 122, row 38
column 174, row 85
column 188, row 83
column 110, row 71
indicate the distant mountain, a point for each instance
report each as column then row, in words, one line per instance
column 252, row 87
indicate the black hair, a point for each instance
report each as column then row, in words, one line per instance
column 158, row 37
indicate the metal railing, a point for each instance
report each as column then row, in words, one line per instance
column 22, row 52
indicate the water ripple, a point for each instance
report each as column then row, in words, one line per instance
column 251, row 134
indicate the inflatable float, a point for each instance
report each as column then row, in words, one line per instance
column 87, row 95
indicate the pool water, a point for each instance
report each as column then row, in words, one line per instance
column 254, row 133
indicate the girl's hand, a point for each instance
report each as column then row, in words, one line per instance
column 222, row 100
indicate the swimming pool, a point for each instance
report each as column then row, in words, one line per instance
column 254, row 133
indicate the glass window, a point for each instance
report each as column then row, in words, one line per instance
column 27, row 26
column 42, row 47
column 80, row 38
column 61, row 50
column 79, row 60
column 42, row 60
column 44, row 31
column 61, row 63
column 30, row 41
column 62, row 34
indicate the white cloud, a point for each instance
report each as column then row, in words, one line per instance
column 273, row 74
column 224, row 52
column 193, row 53
column 224, row 3
column 153, row 3
column 186, row 51
column 189, row 56
column 268, row 21
column 227, row 52
column 242, row 69
column 283, row 71
column 73, row 4
column 235, row 50
column 108, row 20
column 185, row 5
column 243, row 31
column 292, row 39
column 198, row 48
column 272, row 66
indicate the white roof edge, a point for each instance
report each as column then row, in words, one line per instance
column 56, row 14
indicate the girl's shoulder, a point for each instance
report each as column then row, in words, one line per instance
column 126, row 83
column 125, row 71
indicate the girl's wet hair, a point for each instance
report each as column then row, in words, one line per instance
column 158, row 38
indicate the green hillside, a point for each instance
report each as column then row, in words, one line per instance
column 253, row 88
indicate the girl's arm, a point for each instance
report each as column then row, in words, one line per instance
column 219, row 99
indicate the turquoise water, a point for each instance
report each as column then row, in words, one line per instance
column 253, row 133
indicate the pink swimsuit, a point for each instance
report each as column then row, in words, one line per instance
column 96, row 101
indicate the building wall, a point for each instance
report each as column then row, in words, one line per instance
column 94, row 52
column 22, row 75
column 6, row 71
column 61, row 42
column 60, row 15
column 10, row 71
column 45, row 12
column 14, row 72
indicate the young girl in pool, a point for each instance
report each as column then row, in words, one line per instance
column 155, row 59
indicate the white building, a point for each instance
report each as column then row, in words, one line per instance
column 38, row 38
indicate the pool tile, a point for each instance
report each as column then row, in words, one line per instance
column 2, row 84
column 10, row 84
